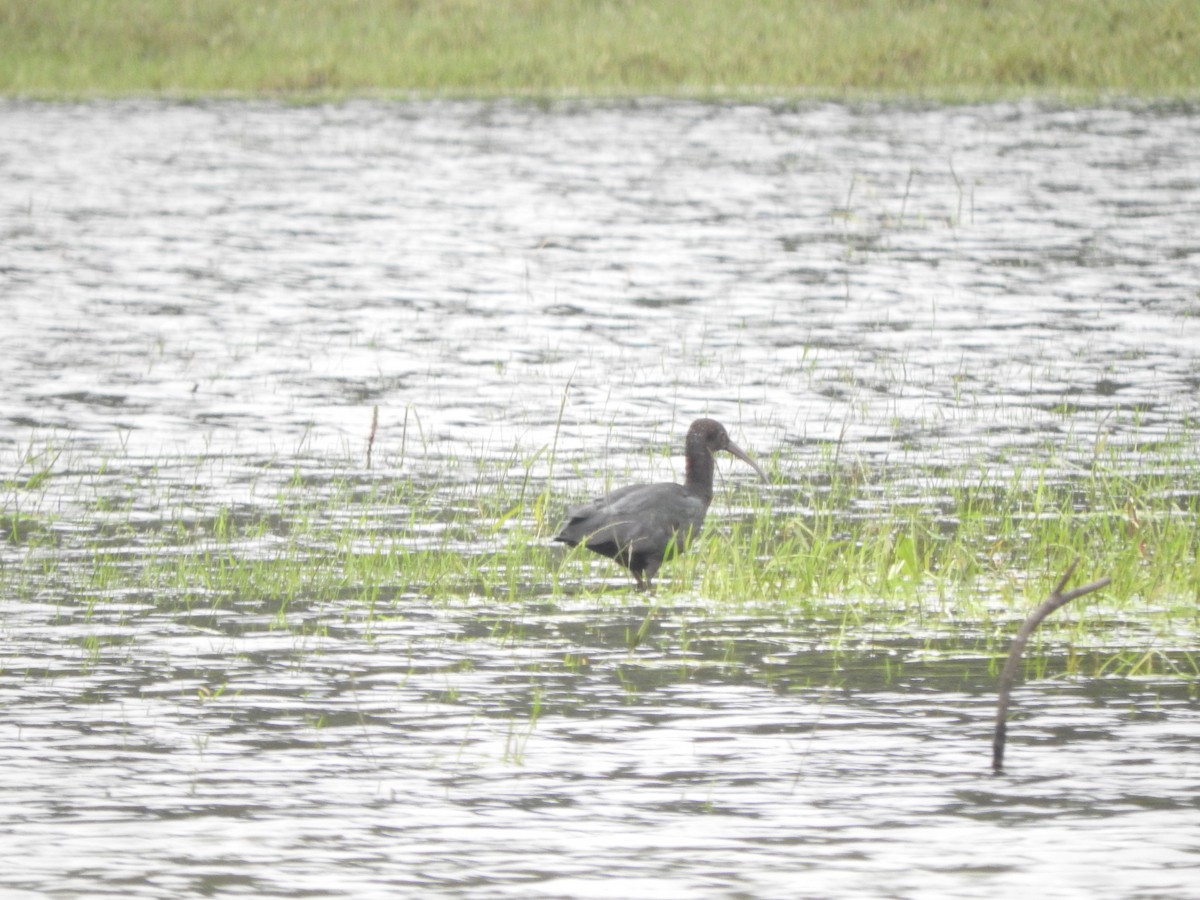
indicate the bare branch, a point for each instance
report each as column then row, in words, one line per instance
column 1056, row 599
column 1066, row 576
column 371, row 436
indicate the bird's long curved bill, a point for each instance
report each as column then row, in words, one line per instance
column 745, row 457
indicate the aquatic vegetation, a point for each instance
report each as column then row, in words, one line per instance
column 903, row 549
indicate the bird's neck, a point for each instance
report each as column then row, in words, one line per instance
column 698, row 471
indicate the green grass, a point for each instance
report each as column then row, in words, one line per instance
column 965, row 49
column 954, row 558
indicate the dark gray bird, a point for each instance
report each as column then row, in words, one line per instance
column 641, row 525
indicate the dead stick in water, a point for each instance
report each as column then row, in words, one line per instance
column 1056, row 599
column 371, row 436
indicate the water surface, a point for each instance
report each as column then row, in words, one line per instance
column 203, row 305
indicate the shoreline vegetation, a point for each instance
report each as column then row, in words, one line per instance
column 312, row 50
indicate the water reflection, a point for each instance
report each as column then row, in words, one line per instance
column 205, row 301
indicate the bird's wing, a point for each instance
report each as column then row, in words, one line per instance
column 641, row 518
column 584, row 520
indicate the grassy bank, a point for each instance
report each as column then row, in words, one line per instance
column 949, row 49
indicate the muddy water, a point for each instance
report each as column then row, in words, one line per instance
column 215, row 296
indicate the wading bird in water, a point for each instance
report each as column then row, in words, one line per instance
column 641, row 525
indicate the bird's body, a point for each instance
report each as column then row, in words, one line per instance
column 642, row 525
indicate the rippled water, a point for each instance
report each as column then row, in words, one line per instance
column 211, row 299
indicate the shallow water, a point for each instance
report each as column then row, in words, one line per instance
column 203, row 304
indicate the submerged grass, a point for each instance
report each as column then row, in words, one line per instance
column 310, row 48
column 863, row 551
